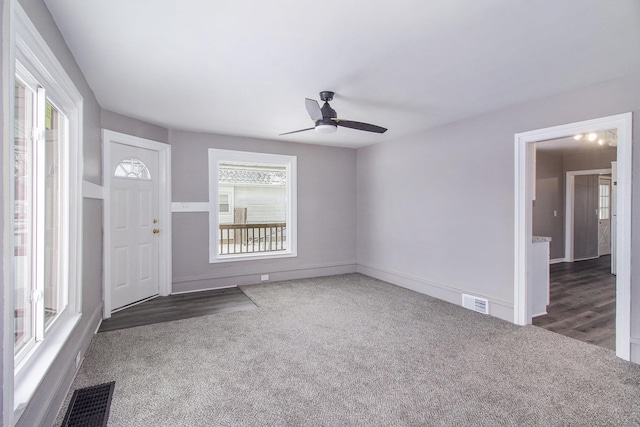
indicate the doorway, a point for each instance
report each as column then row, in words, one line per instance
column 137, row 220
column 525, row 190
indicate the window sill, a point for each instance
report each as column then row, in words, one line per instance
column 29, row 375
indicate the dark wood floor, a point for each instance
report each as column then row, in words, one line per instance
column 176, row 307
column 583, row 302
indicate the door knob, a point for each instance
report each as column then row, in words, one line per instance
column 155, row 221
column 156, row 231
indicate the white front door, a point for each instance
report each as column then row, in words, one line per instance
column 604, row 216
column 134, row 214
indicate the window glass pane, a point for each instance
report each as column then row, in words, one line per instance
column 23, row 215
column 132, row 168
column 259, row 208
column 54, row 289
column 604, row 202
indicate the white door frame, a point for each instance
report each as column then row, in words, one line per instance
column 569, row 208
column 164, row 215
column 524, row 180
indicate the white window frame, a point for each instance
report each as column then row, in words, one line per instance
column 28, row 47
column 216, row 157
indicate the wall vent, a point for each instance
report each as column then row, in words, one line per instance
column 480, row 305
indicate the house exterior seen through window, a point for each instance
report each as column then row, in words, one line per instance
column 255, row 216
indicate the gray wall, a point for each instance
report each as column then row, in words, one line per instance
column 549, row 198
column 123, row 124
column 326, row 213
column 44, row 405
column 590, row 160
column 435, row 210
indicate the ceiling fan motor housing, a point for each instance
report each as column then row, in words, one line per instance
column 326, row 95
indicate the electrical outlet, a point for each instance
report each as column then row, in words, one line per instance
column 264, row 277
column 78, row 360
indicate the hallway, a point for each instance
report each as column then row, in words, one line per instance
column 583, row 302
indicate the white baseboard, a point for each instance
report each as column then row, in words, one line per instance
column 497, row 308
column 557, row 260
column 204, row 283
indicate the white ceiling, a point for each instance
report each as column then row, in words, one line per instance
column 244, row 67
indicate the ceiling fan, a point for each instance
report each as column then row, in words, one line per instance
column 327, row 120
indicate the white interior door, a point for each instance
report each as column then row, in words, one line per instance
column 604, row 216
column 134, row 224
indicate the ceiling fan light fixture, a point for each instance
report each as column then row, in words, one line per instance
column 326, row 128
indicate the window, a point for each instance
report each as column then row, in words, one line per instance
column 604, row 202
column 255, row 216
column 39, row 276
column 224, row 204
column 45, row 171
column 132, row 168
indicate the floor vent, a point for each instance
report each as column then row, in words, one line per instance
column 89, row 406
column 480, row 305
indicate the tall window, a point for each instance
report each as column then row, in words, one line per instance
column 45, row 171
column 255, row 213
column 40, row 274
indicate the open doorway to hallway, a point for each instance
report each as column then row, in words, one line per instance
column 524, row 243
column 573, row 207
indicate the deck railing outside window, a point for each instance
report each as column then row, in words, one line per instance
column 251, row 238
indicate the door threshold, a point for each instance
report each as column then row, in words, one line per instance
column 135, row 303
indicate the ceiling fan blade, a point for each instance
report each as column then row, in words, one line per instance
column 296, row 131
column 313, row 108
column 360, row 126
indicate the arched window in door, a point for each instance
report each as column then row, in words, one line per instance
column 132, row 168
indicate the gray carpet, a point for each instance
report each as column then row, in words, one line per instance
column 353, row 351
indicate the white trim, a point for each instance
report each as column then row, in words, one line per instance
column 227, row 277
column 522, row 224
column 44, row 355
column 8, row 111
column 570, row 187
column 190, row 207
column 498, row 307
column 319, row 270
column 164, row 202
column 92, row 191
column 557, row 260
column 290, row 162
